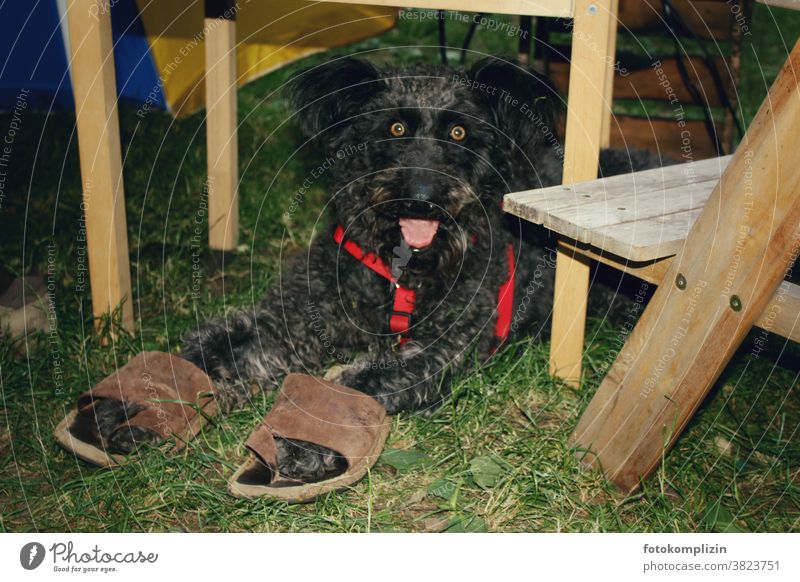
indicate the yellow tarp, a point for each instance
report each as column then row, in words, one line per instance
column 269, row 34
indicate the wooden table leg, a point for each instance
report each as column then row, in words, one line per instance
column 734, row 258
column 570, row 296
column 590, row 79
column 608, row 88
column 94, row 87
column 221, row 124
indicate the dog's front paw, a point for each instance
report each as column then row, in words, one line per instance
column 360, row 379
column 378, row 384
column 104, row 425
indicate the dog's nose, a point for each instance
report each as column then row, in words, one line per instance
column 419, row 194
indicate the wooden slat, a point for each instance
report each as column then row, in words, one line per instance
column 560, row 8
column 781, row 315
column 589, row 102
column 742, row 245
column 686, row 142
column 95, row 90
column 650, row 271
column 640, row 216
column 221, row 134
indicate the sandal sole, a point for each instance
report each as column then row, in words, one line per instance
column 81, row 449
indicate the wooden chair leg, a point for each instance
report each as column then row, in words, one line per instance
column 94, row 87
column 734, row 258
column 593, row 36
column 221, row 124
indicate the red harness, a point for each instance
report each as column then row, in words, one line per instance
column 400, row 319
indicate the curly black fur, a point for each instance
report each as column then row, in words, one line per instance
column 328, row 308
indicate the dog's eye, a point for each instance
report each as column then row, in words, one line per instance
column 398, row 129
column 458, row 133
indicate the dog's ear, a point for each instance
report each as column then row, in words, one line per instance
column 525, row 104
column 333, row 91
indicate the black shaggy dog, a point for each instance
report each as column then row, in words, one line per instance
column 412, row 277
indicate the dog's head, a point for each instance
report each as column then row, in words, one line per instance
column 423, row 154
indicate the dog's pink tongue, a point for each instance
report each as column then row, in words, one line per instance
column 418, row 232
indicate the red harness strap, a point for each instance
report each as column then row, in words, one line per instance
column 405, row 298
column 505, row 303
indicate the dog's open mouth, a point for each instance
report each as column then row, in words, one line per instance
column 418, row 232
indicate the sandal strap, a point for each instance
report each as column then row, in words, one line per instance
column 262, row 444
column 321, row 412
column 164, row 385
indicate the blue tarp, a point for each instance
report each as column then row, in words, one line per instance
column 32, row 42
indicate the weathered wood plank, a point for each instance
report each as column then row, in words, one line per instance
column 621, row 188
column 640, row 216
column 657, row 237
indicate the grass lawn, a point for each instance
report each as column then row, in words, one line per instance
column 494, row 458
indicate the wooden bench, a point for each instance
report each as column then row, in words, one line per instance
column 642, row 216
column 636, row 223
column 718, row 237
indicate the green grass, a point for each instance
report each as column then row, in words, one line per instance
column 494, row 458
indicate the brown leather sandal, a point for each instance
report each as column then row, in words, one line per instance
column 312, row 410
column 167, row 394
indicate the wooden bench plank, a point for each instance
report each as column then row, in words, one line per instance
column 615, row 188
column 639, row 216
column 660, row 236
